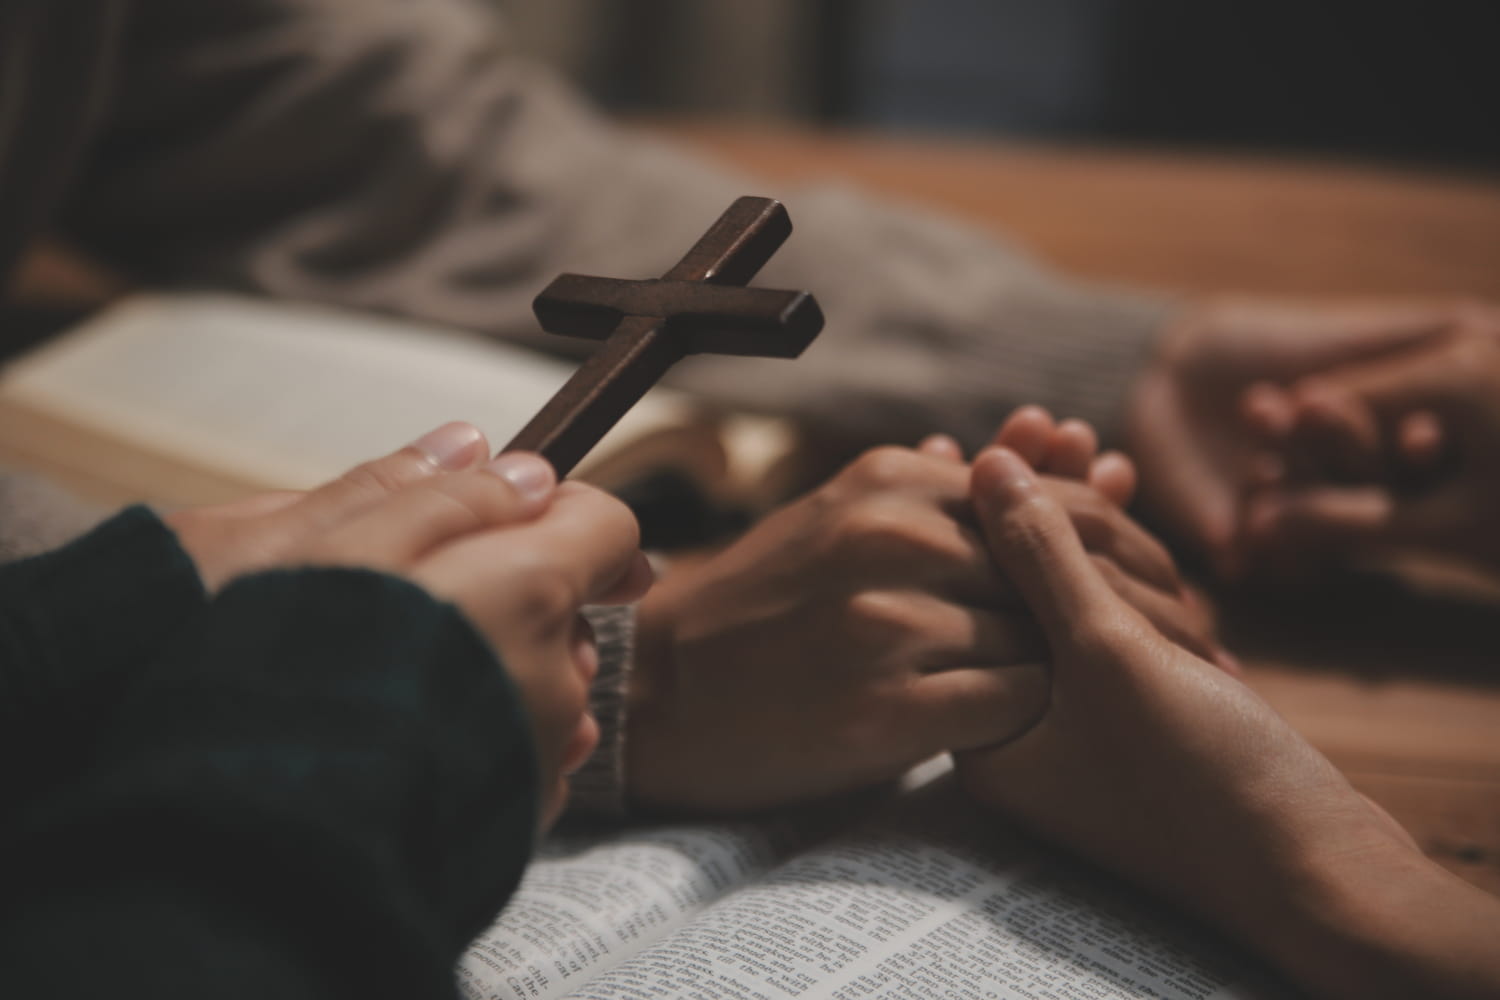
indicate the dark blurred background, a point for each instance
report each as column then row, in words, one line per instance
column 1409, row 82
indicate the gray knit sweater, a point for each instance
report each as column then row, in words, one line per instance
column 396, row 155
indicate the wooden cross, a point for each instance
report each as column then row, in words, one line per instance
column 647, row 326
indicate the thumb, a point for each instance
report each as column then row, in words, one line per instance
column 1033, row 540
column 1342, row 518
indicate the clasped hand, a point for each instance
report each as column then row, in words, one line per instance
column 865, row 628
column 518, row 553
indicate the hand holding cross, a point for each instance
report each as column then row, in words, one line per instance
column 647, row 326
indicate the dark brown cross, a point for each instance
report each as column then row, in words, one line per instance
column 647, row 326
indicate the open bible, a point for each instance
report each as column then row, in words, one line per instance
column 919, row 896
column 203, row 398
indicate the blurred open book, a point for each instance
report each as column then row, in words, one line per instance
column 198, row 399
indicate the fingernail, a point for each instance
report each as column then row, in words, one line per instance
column 530, row 474
column 451, row 446
column 941, row 446
column 1011, row 469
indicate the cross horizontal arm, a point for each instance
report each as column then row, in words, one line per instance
column 641, row 348
column 713, row 319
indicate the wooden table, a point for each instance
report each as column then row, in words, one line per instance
column 1402, row 693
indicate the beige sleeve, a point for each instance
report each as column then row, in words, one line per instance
column 396, row 155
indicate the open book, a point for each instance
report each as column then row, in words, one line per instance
column 197, row 399
column 923, row 898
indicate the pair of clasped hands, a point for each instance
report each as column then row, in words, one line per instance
column 1278, row 441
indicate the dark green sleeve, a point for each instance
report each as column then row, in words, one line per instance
column 75, row 624
column 325, row 787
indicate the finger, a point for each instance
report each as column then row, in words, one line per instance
column 585, row 650
column 1107, row 530
column 976, row 707
column 639, row 578
column 259, row 505
column 1268, row 411
column 900, row 517
column 1070, row 450
column 932, row 634
column 1028, row 433
column 1114, row 475
column 1265, row 470
column 1193, row 486
column 941, row 446
column 890, row 472
column 1334, row 435
column 451, row 447
column 1344, row 519
column 586, row 540
column 581, row 745
column 1288, row 527
column 1425, row 379
column 916, row 547
column 1173, row 617
column 514, row 487
column 1033, row 540
column 1296, row 339
column 1420, row 439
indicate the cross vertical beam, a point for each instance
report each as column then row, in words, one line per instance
column 642, row 347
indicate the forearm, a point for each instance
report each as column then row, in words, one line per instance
column 76, row 626
column 324, row 787
column 1386, row 924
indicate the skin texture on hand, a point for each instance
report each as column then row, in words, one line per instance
column 859, row 631
column 1197, row 457
column 517, row 553
column 1174, row 775
column 1402, row 451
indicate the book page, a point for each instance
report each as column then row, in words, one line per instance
column 288, row 396
column 929, row 904
column 586, row 905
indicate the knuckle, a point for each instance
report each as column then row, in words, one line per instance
column 880, row 613
column 551, row 595
column 884, row 468
column 1110, row 571
column 384, row 476
column 875, row 535
column 466, row 510
column 869, row 528
column 488, row 498
column 608, row 511
column 872, row 734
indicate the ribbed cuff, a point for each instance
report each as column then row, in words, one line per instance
column 597, row 790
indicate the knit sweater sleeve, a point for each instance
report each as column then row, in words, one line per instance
column 423, row 167
column 75, row 625
column 323, row 787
